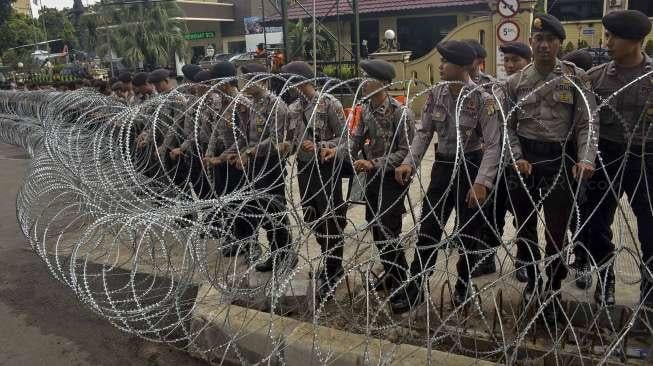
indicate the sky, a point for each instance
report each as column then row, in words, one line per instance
column 59, row 4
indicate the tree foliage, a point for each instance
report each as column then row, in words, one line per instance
column 141, row 33
column 19, row 30
column 5, row 10
column 300, row 40
column 57, row 24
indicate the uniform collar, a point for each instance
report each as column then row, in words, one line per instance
column 382, row 110
column 648, row 65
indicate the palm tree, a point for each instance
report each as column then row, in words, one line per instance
column 300, row 40
column 142, row 34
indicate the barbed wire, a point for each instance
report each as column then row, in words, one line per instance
column 140, row 238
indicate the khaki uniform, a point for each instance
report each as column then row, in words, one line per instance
column 383, row 135
column 476, row 133
column 550, row 128
column 322, row 121
column 626, row 145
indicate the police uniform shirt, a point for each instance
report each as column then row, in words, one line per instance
column 478, row 126
column 172, row 116
column 546, row 115
column 484, row 80
column 199, row 122
column 222, row 135
column 261, row 124
column 383, row 133
column 628, row 115
column 320, row 120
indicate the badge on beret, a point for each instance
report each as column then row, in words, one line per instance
column 537, row 23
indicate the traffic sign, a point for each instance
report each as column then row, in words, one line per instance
column 508, row 8
column 508, row 31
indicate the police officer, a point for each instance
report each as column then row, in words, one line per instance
column 516, row 55
column 480, row 144
column 553, row 145
column 197, row 129
column 125, row 78
column 143, row 90
column 382, row 135
column 626, row 146
column 317, row 121
column 261, row 128
column 226, row 178
column 582, row 59
column 479, row 77
column 189, row 71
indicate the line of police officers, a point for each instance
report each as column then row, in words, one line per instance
column 574, row 142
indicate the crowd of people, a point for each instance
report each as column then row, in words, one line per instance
column 563, row 136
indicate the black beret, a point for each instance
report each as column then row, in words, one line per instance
column 478, row 49
column 140, row 79
column 580, row 58
column 517, row 48
column 253, row 68
column 190, row 70
column 300, row 68
column 457, row 52
column 202, row 76
column 379, row 69
column 125, row 77
column 548, row 23
column 627, row 24
column 223, row 69
column 158, row 75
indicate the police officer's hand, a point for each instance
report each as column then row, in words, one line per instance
column 283, row 148
column 240, row 161
column 582, row 170
column 308, row 145
column 175, row 153
column 212, row 161
column 403, row 173
column 161, row 150
column 476, row 196
column 363, row 165
column 327, row 154
column 523, row 167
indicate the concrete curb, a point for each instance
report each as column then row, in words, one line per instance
column 234, row 334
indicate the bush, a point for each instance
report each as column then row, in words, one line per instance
column 583, row 44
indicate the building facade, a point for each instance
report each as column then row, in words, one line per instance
column 23, row 7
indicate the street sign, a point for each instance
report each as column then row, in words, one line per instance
column 588, row 31
column 508, row 8
column 508, row 31
column 199, row 35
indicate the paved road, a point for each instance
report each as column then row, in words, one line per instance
column 41, row 322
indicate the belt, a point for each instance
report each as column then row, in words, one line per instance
column 452, row 157
column 611, row 147
column 544, row 147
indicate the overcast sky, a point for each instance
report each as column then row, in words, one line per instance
column 59, row 4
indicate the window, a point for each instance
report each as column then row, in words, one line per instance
column 577, row 9
column 645, row 6
column 420, row 35
column 369, row 31
column 236, row 47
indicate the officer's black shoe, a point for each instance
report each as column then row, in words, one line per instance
column 386, row 282
column 460, row 294
column 583, row 276
column 522, row 274
column 485, row 267
column 408, row 298
column 604, row 293
column 326, row 283
column 276, row 259
column 552, row 313
column 531, row 291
